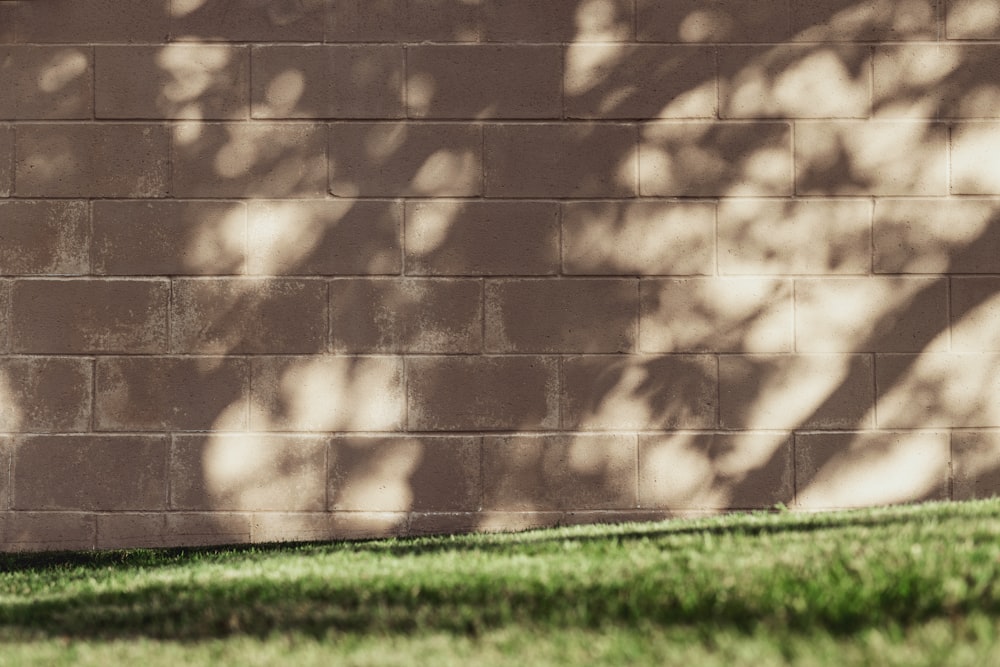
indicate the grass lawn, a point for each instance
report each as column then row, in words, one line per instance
column 900, row 586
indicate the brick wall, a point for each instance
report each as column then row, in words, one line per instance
column 310, row 269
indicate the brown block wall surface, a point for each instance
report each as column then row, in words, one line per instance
column 327, row 269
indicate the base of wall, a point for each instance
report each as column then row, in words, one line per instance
column 84, row 531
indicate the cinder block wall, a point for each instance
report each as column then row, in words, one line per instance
column 311, row 269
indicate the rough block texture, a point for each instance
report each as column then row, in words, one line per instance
column 91, row 160
column 321, row 269
column 178, row 81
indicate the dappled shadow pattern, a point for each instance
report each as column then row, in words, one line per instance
column 580, row 256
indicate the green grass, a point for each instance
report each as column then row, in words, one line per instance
column 907, row 586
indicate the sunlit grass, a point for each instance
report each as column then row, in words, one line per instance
column 907, row 586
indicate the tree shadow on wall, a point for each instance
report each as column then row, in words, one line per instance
column 787, row 337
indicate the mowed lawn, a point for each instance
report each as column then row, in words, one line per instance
column 898, row 586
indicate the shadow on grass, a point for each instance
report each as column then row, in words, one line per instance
column 545, row 579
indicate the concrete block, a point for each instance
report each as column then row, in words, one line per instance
column 974, row 148
column 640, row 81
column 871, row 158
column 470, row 238
column 975, row 314
column 795, row 81
column 611, row 393
column 403, row 21
column 484, row 81
column 936, row 80
column 92, row 160
column 559, row 472
column 46, row 82
column 971, row 19
column 249, row 160
column 936, row 236
column 81, row 316
column 171, row 394
column 567, row 160
column 47, row 531
column 482, row 393
column 558, row 21
column 325, row 237
column 935, row 390
column 843, row 470
column 715, row 471
column 803, row 236
column 88, row 472
column 716, row 315
column 405, row 159
column 703, row 159
column 403, row 474
column 796, row 391
column 169, row 237
column 42, row 237
column 248, row 21
column 327, row 394
column 849, row 21
column 562, row 315
column 713, row 21
column 45, row 394
column 248, row 315
column 974, row 464
column 328, row 81
column 84, row 21
column 196, row 529
column 638, row 238
column 172, row 81
column 875, row 314
column 247, row 472
column 406, row 315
